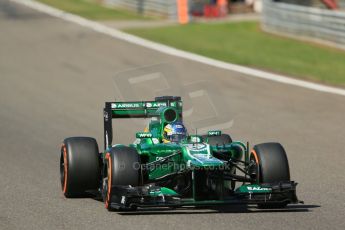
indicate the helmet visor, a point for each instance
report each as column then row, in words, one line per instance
column 177, row 137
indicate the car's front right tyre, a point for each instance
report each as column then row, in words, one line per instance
column 79, row 166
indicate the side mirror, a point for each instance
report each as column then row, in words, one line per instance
column 142, row 135
column 214, row 133
column 195, row 139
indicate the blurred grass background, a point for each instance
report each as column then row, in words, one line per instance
column 240, row 43
column 245, row 44
column 92, row 9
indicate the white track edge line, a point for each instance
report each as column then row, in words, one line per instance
column 173, row 51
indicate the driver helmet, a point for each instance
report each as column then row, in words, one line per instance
column 174, row 132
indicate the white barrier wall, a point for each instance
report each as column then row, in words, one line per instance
column 165, row 8
column 306, row 22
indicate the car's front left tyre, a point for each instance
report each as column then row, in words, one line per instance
column 272, row 167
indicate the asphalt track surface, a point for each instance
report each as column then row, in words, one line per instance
column 54, row 79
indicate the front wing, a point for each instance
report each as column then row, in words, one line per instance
column 127, row 197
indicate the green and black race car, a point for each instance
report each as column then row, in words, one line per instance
column 165, row 167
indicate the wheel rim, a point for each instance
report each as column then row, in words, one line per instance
column 107, row 181
column 256, row 165
column 105, row 188
column 63, row 168
column 62, row 171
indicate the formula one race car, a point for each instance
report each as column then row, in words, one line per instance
column 166, row 167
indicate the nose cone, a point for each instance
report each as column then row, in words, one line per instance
column 199, row 155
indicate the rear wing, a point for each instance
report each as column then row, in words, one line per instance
column 166, row 105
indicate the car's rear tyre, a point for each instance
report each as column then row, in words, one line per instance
column 218, row 140
column 272, row 167
column 122, row 167
column 79, row 166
